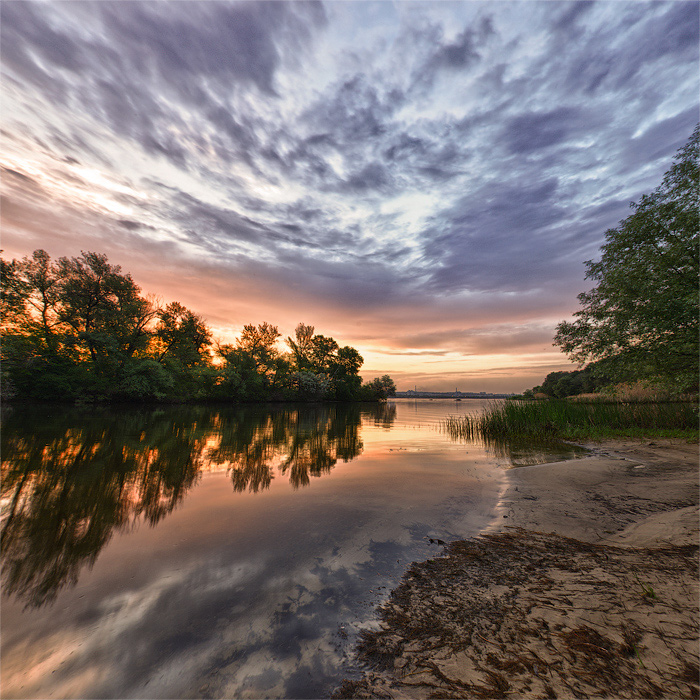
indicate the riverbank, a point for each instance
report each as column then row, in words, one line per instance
column 586, row 586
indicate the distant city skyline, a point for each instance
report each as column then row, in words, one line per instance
column 420, row 180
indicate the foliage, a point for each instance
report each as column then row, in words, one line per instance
column 302, row 345
column 311, row 386
column 594, row 377
column 182, row 336
column 555, row 419
column 80, row 329
column 103, row 308
column 643, row 314
column 379, row 388
column 143, row 380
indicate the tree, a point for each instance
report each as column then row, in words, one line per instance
column 334, row 369
column 31, row 298
column 301, row 346
column 183, row 336
column 260, row 342
column 323, row 353
column 37, row 361
column 254, row 365
column 311, row 386
column 74, row 328
column 13, row 299
column 41, row 281
column 643, row 315
column 379, row 388
column 78, row 328
column 104, row 308
column 344, row 370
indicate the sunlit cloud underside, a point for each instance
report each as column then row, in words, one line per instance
column 422, row 181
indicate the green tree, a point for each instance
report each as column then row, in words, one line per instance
column 310, row 386
column 323, row 352
column 79, row 328
column 301, row 346
column 323, row 368
column 183, row 336
column 254, row 366
column 37, row 285
column 379, row 388
column 260, row 342
column 36, row 360
column 31, row 300
column 14, row 295
column 642, row 317
column 104, row 308
column 75, row 328
column 344, row 370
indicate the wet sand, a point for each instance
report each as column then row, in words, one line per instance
column 586, row 586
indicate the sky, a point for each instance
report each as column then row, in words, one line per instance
column 420, row 180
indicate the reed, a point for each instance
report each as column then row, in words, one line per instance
column 542, row 420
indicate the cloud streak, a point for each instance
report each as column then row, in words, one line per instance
column 448, row 165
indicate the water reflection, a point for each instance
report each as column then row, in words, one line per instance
column 285, row 525
column 382, row 415
column 527, row 453
column 514, row 451
column 299, row 443
column 68, row 484
column 71, row 479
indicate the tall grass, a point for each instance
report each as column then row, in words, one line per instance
column 542, row 420
column 641, row 391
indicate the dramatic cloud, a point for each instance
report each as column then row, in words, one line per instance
column 421, row 180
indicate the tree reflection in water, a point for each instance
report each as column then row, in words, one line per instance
column 72, row 478
column 382, row 415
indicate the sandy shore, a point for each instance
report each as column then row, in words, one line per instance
column 586, row 586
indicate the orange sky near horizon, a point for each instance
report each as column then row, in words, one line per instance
column 494, row 367
column 421, row 181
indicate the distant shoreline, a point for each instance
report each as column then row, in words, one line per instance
column 103, row 401
column 449, row 395
column 155, row 403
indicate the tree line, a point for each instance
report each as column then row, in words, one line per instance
column 80, row 329
column 640, row 322
column 593, row 378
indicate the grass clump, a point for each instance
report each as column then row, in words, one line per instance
column 560, row 419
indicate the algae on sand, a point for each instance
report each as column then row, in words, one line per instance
column 535, row 614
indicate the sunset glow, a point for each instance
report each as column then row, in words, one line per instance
column 422, row 181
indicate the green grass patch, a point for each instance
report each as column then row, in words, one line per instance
column 560, row 419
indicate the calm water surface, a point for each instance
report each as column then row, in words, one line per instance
column 208, row 552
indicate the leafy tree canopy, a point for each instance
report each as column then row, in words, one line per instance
column 643, row 314
column 182, row 336
column 79, row 328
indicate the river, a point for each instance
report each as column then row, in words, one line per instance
column 237, row 552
